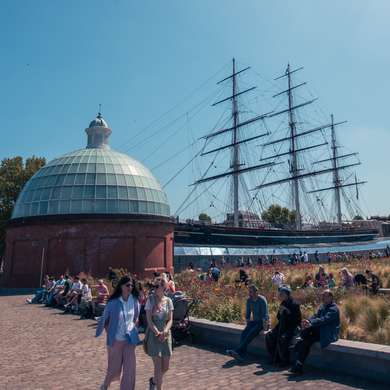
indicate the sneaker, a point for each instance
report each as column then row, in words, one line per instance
column 152, row 385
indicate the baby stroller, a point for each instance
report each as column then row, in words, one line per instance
column 181, row 320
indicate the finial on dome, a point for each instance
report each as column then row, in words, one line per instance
column 98, row 132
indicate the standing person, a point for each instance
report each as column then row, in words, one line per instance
column 112, row 277
column 277, row 279
column 324, row 327
column 119, row 318
column 317, row 257
column 257, row 319
column 158, row 338
column 279, row 338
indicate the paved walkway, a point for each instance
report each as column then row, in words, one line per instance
column 43, row 349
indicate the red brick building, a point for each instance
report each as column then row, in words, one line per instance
column 85, row 211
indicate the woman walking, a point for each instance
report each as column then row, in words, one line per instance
column 119, row 318
column 158, row 338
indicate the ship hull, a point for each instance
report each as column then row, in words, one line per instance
column 213, row 235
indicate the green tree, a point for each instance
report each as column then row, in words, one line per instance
column 14, row 173
column 204, row 217
column 358, row 218
column 278, row 215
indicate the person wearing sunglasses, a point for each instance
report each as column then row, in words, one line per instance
column 119, row 319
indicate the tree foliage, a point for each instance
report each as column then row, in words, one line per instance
column 279, row 215
column 358, row 218
column 204, row 217
column 14, row 173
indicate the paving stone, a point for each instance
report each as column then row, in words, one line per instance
column 43, row 349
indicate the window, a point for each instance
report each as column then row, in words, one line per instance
column 123, row 206
column 53, row 207
column 76, row 206
column 101, row 192
column 122, row 192
column 80, row 178
column 43, row 208
column 100, row 178
column 77, row 192
column 60, row 180
column 64, row 206
column 112, row 192
column 69, row 179
column 90, row 178
column 65, row 192
column 100, row 206
column 89, row 192
column 91, row 168
column 121, row 180
column 100, row 168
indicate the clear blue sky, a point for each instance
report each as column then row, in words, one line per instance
column 60, row 59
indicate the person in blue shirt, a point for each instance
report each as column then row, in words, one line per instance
column 322, row 327
column 257, row 319
column 119, row 319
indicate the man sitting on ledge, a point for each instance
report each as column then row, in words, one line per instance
column 256, row 320
column 324, row 326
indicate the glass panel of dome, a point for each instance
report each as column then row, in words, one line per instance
column 76, row 206
column 60, row 180
column 112, row 206
column 141, row 193
column 100, row 168
column 77, row 192
column 43, row 208
column 65, row 192
column 51, row 180
column 112, row 192
column 123, row 206
column 88, row 206
column 56, row 169
column 64, row 207
column 133, row 206
column 91, row 168
column 36, row 195
column 110, row 168
column 121, row 180
column 80, row 178
column 56, row 193
column 65, row 168
column 111, row 179
column 118, row 169
column 90, row 179
column 73, row 168
column 82, row 168
column 27, row 209
column 100, row 206
column 100, row 178
column 77, row 159
column 130, row 181
column 92, row 159
column 53, row 207
column 69, row 179
column 142, row 207
column 132, row 193
column 122, row 192
column 45, row 193
column 101, row 192
column 34, row 208
column 89, row 192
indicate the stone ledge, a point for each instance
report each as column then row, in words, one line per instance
column 365, row 360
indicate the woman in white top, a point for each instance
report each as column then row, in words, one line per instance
column 119, row 319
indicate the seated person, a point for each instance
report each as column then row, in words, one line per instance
column 331, row 281
column 309, row 283
column 321, row 277
column 171, row 283
column 256, row 320
column 360, row 280
column 56, row 289
column 346, row 278
column 84, row 306
column 60, row 298
column 279, row 338
column 99, row 303
column 277, row 279
column 374, row 280
column 324, row 326
column 215, row 273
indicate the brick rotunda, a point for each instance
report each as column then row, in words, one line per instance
column 85, row 211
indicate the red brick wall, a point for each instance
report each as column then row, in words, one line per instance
column 90, row 246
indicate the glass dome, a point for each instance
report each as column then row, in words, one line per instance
column 92, row 181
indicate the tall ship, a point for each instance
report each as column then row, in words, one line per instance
column 288, row 181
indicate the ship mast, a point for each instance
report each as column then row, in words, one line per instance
column 235, row 169
column 336, row 176
column 294, row 157
column 236, row 148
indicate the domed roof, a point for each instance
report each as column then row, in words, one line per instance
column 92, row 181
column 98, row 121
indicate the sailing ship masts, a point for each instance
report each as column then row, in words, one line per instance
column 244, row 123
column 286, row 90
column 302, row 134
column 336, row 176
column 296, row 151
column 292, row 108
column 236, row 148
column 234, row 74
column 237, row 172
column 294, row 157
column 303, row 176
column 237, row 143
column 288, row 72
column 234, row 95
column 339, row 157
column 340, row 186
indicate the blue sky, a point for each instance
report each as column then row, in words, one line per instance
column 140, row 59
